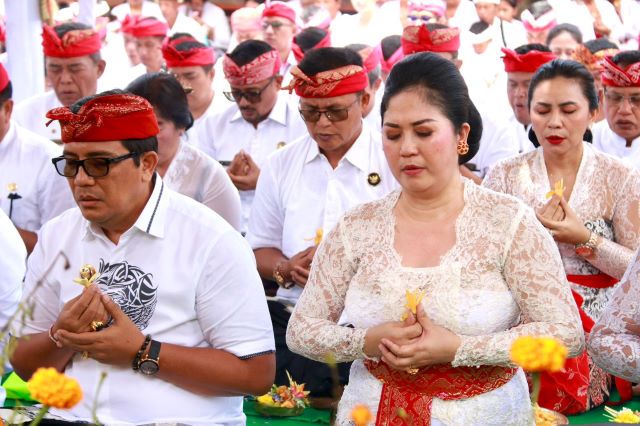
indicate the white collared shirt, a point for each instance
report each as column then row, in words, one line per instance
column 12, row 269
column 214, row 17
column 299, row 192
column 183, row 275
column 229, row 133
column 607, row 141
column 522, row 134
column 196, row 175
column 25, row 160
column 32, row 115
column 497, row 143
column 186, row 24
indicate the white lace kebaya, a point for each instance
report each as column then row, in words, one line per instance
column 502, row 279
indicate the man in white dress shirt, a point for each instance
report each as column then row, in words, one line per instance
column 33, row 193
column 173, row 309
column 619, row 134
column 279, row 25
column 306, row 187
column 261, row 119
column 73, row 65
column 149, row 35
column 520, row 65
column 191, row 62
column 497, row 140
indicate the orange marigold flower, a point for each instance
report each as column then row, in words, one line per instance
column 538, row 354
column 361, row 415
column 54, row 389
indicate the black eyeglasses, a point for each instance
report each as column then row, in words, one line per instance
column 252, row 96
column 276, row 25
column 95, row 167
column 333, row 114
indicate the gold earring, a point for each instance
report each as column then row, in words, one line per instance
column 463, row 147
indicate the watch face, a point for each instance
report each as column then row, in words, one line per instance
column 149, row 367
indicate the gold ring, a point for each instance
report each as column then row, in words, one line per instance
column 85, row 355
column 97, row 325
column 412, row 370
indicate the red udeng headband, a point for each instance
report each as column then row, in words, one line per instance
column 146, row 27
column 393, row 59
column 196, row 56
column 614, row 76
column 328, row 84
column 420, row 39
column 4, row 78
column 73, row 44
column 298, row 53
column 528, row 62
column 261, row 68
column 107, row 118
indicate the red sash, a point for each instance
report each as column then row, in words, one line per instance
column 567, row 391
column 414, row 393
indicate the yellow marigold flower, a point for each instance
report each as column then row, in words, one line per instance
column 558, row 189
column 54, row 389
column 361, row 415
column 538, row 354
column 623, row 416
column 413, row 300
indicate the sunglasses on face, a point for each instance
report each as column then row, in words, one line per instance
column 94, row 167
column 276, row 25
column 252, row 96
column 312, row 115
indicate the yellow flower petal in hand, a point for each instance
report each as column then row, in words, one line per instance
column 413, row 300
column 538, row 354
column 318, row 237
column 54, row 389
column 361, row 415
column 558, row 189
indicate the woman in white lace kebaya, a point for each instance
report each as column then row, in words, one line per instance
column 589, row 203
column 614, row 343
column 487, row 269
column 183, row 168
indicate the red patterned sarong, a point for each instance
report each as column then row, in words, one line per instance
column 567, row 391
column 414, row 393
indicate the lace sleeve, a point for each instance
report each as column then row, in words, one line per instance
column 614, row 343
column 313, row 330
column 613, row 257
column 494, row 179
column 534, row 273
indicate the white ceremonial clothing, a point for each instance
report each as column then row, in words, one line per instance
column 196, row 175
column 502, row 279
column 25, row 160
column 465, row 15
column 186, row 24
column 576, row 12
column 12, row 269
column 607, row 141
column 32, row 115
column 347, row 29
column 149, row 9
column 522, row 135
column 215, row 17
column 197, row 135
column 299, row 193
column 374, row 119
column 497, row 143
column 628, row 35
column 228, row 133
column 183, row 275
column 132, row 73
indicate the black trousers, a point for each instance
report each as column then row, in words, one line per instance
column 316, row 375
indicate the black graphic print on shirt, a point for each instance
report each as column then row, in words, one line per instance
column 131, row 288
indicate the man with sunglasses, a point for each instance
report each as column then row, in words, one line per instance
column 279, row 26
column 306, row 187
column 619, row 134
column 170, row 305
column 261, row 119
column 30, row 193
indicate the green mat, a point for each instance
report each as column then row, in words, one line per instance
column 309, row 416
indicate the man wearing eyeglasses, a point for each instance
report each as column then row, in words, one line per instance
column 306, row 187
column 170, row 304
column 30, row 193
column 619, row 134
column 279, row 26
column 261, row 119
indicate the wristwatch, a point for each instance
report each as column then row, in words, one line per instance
column 150, row 364
column 279, row 277
column 589, row 247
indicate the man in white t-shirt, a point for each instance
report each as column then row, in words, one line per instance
column 261, row 119
column 33, row 193
column 170, row 306
column 619, row 134
column 520, row 65
column 73, row 65
column 306, row 187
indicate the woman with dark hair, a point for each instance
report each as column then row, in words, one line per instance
column 438, row 278
column 563, row 40
column 184, row 168
column 589, row 203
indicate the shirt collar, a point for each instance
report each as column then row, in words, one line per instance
column 278, row 112
column 8, row 137
column 153, row 218
column 358, row 154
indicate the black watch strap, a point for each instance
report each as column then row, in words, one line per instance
column 154, row 351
